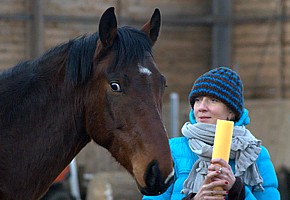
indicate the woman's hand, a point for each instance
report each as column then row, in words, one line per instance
column 224, row 171
column 207, row 189
column 219, row 175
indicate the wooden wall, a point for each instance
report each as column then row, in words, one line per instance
column 260, row 41
column 182, row 52
column 261, row 47
column 13, row 39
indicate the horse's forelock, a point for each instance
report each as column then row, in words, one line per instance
column 130, row 45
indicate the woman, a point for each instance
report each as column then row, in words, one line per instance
column 218, row 94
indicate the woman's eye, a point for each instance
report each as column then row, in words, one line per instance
column 197, row 99
column 214, row 100
column 116, row 87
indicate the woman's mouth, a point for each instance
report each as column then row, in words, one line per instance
column 203, row 119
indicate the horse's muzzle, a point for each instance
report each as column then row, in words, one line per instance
column 155, row 183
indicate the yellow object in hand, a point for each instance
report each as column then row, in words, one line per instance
column 223, row 139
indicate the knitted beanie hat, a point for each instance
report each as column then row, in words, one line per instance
column 223, row 84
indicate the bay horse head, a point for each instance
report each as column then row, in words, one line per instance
column 124, row 107
column 103, row 87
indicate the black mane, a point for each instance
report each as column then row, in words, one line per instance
column 80, row 58
column 77, row 55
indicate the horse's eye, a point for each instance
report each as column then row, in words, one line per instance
column 116, row 87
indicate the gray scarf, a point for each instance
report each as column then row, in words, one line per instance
column 245, row 149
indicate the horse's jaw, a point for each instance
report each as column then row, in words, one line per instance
column 146, row 173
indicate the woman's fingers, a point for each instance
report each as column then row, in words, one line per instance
column 208, row 188
column 218, row 183
column 223, row 172
column 221, row 162
column 207, row 192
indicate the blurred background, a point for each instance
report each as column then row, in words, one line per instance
column 251, row 36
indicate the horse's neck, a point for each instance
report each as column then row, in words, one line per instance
column 57, row 130
column 41, row 132
column 38, row 156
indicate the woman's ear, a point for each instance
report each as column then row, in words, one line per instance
column 231, row 116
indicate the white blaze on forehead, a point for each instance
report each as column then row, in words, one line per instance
column 144, row 70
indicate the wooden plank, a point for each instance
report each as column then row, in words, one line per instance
column 174, row 8
column 11, row 7
column 259, row 34
column 254, row 7
column 13, row 45
column 182, row 55
column 78, row 8
column 59, row 32
column 286, row 27
column 274, row 133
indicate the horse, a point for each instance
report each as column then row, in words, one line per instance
column 103, row 87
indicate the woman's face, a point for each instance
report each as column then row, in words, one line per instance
column 208, row 110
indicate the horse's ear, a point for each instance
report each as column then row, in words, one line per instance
column 108, row 28
column 152, row 27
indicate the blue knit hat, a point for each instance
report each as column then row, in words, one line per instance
column 223, row 84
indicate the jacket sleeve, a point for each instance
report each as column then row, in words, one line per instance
column 189, row 196
column 237, row 192
column 270, row 181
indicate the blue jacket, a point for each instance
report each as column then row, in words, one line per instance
column 184, row 159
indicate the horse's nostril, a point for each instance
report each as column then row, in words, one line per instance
column 152, row 174
column 155, row 184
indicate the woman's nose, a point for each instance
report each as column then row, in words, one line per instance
column 202, row 105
